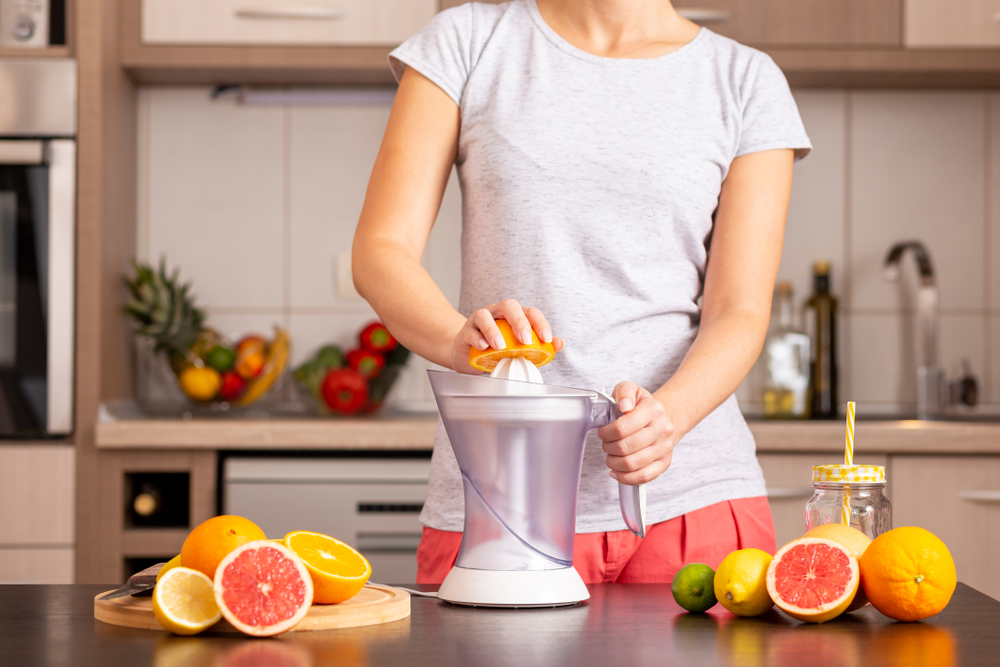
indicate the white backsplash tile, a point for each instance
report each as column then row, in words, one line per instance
column 815, row 228
column 213, row 194
column 333, row 149
column 236, row 325
column 310, row 332
column 917, row 173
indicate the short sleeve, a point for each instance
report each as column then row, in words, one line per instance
column 770, row 116
column 442, row 51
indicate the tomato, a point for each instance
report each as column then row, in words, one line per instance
column 376, row 337
column 345, row 390
column 365, row 362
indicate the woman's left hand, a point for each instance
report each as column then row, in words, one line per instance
column 640, row 443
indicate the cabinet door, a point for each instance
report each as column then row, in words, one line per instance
column 957, row 499
column 794, row 22
column 271, row 22
column 789, row 487
column 931, row 23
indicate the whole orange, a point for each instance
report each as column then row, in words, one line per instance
column 908, row 574
column 206, row 546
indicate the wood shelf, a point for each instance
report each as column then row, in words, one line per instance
column 889, row 68
column 45, row 52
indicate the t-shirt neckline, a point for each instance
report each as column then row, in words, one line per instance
column 565, row 46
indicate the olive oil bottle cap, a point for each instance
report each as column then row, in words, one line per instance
column 821, row 267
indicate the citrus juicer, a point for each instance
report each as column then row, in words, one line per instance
column 519, row 446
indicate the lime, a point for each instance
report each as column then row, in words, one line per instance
column 220, row 358
column 694, row 587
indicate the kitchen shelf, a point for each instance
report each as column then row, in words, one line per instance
column 123, row 426
column 889, row 67
column 43, row 52
column 878, row 437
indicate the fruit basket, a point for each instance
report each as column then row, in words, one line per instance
column 355, row 382
column 209, row 370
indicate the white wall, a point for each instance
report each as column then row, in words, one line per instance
column 256, row 203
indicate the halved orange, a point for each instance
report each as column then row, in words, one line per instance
column 536, row 352
column 338, row 572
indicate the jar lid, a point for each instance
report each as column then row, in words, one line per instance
column 849, row 474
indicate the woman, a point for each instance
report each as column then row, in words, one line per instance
column 603, row 146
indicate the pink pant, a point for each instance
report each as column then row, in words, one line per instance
column 706, row 535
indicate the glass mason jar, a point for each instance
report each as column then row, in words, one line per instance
column 866, row 508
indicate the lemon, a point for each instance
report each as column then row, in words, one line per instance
column 184, row 601
column 200, row 384
column 169, row 565
column 741, row 582
column 693, row 587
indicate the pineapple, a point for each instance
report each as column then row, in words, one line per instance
column 164, row 310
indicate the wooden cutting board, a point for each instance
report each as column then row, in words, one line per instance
column 375, row 604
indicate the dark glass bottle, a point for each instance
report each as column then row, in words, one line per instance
column 821, row 318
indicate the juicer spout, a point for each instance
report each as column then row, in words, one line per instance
column 631, row 498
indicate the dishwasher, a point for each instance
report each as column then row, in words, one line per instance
column 372, row 504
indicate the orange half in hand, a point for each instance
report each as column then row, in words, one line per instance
column 338, row 572
column 536, row 352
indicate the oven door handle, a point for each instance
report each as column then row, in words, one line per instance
column 61, row 156
column 22, row 152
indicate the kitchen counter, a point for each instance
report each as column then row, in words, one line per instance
column 621, row 625
column 125, row 427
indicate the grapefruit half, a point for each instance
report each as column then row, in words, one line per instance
column 855, row 541
column 263, row 589
column 813, row 579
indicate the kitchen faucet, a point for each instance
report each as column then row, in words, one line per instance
column 930, row 378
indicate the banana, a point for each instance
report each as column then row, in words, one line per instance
column 277, row 357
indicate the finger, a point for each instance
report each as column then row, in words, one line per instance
column 539, row 324
column 483, row 320
column 627, row 424
column 638, row 459
column 557, row 344
column 626, row 395
column 643, row 475
column 473, row 337
column 511, row 310
column 634, row 443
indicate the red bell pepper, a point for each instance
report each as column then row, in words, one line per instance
column 376, row 337
column 368, row 363
column 345, row 390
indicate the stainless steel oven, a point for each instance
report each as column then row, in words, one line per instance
column 37, row 246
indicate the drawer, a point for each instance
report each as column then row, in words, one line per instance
column 957, row 499
column 288, row 22
column 36, row 566
column 789, row 487
column 37, row 486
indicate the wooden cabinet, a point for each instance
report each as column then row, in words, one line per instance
column 952, row 23
column 957, row 499
column 287, row 22
column 789, row 486
column 795, row 22
column 800, row 22
column 36, row 513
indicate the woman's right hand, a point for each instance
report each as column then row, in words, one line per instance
column 480, row 331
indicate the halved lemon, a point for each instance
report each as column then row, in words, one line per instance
column 184, row 601
column 536, row 352
column 338, row 572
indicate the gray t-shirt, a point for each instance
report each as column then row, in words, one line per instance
column 588, row 187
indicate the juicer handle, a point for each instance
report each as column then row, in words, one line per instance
column 631, row 498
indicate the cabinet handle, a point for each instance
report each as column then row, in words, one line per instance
column 782, row 492
column 293, row 12
column 699, row 15
column 980, row 496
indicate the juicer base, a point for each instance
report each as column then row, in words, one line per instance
column 506, row 588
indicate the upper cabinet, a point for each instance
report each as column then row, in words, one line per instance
column 283, row 22
column 952, row 23
column 800, row 22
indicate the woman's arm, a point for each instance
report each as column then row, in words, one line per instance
column 402, row 202
column 736, row 306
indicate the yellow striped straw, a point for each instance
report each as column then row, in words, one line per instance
column 848, row 460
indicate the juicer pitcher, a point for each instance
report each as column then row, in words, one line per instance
column 520, row 448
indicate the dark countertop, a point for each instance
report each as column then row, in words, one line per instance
column 622, row 624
